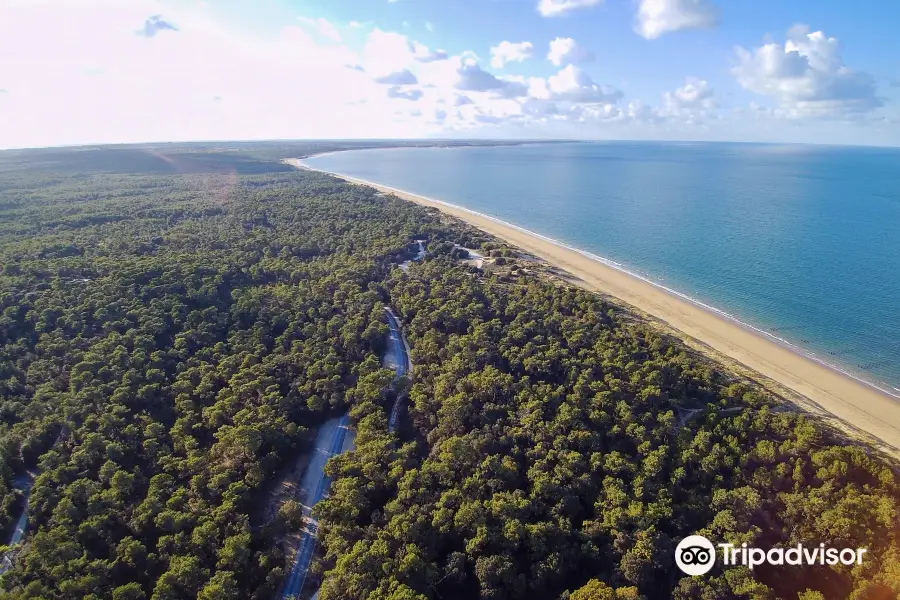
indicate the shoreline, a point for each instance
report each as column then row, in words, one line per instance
column 839, row 393
column 880, row 386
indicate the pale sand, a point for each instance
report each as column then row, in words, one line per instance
column 798, row 378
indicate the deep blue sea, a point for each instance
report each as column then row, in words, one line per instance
column 800, row 241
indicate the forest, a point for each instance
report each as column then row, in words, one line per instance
column 177, row 321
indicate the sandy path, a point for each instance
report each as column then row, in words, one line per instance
column 858, row 407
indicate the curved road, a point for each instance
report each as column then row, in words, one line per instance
column 397, row 358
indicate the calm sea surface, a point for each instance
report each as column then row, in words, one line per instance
column 800, row 241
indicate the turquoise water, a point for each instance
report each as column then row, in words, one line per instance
column 802, row 242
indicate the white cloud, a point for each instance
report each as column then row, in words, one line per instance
column 567, row 51
column 806, row 76
column 429, row 25
column 694, row 94
column 656, row 17
column 405, row 93
column 688, row 108
column 402, row 77
column 554, row 8
column 423, row 54
column 507, row 52
column 638, row 111
column 572, row 84
column 441, row 75
column 472, row 78
column 386, row 52
column 323, row 27
column 540, row 108
column 201, row 79
column 110, row 85
column 693, row 103
column 154, row 25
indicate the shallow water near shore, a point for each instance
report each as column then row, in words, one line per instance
column 802, row 242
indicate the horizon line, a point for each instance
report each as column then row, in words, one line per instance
column 436, row 140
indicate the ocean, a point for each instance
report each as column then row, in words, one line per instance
column 801, row 242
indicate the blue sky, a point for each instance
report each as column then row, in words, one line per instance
column 93, row 71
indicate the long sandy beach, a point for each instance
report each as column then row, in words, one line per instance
column 842, row 400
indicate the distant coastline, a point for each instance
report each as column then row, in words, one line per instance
column 841, row 405
column 394, row 145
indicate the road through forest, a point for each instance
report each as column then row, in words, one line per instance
column 331, row 441
column 397, row 358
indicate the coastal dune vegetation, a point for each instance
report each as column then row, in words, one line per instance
column 177, row 321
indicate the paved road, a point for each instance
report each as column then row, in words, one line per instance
column 315, row 481
column 24, row 483
column 419, row 256
column 398, row 359
column 320, row 484
column 402, row 364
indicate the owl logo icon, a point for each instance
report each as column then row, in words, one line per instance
column 695, row 555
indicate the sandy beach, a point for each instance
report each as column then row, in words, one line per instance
column 843, row 401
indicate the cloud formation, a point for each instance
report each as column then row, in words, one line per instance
column 555, row 8
column 402, row 77
column 154, row 25
column 565, row 51
column 694, row 103
column 472, row 78
column 405, row 94
column 424, row 54
column 372, row 83
column 806, row 76
column 656, row 17
column 571, row 84
column 386, row 52
column 507, row 52
column 695, row 93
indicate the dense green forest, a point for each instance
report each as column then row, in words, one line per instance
column 177, row 321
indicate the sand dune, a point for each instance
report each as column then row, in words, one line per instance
column 845, row 402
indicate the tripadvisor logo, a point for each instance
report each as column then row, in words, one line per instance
column 696, row 555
